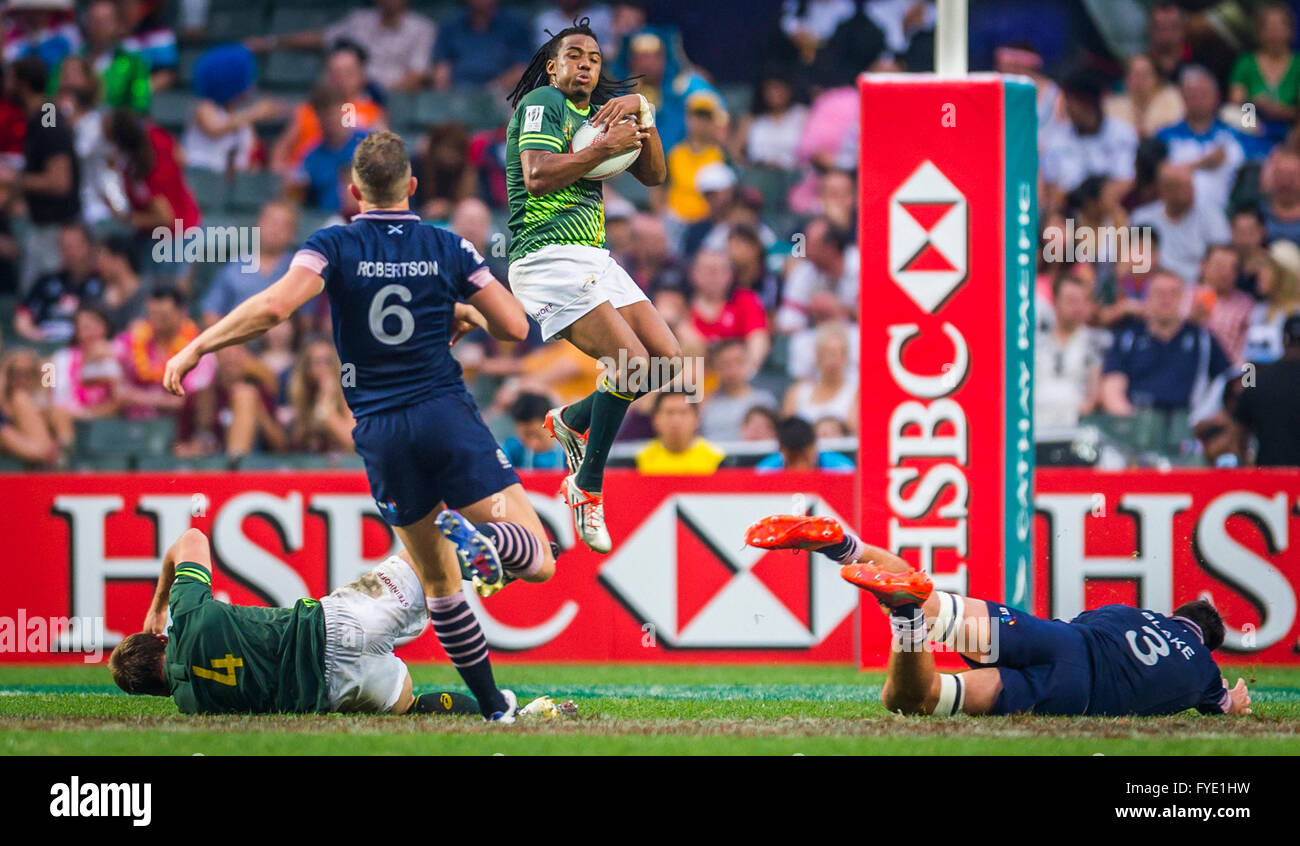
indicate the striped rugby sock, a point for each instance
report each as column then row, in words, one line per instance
column 847, row 551
column 462, row 639
column 520, row 550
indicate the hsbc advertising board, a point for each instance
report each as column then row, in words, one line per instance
column 947, row 241
column 678, row 587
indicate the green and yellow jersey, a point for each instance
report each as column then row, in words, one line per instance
column 224, row 658
column 546, row 120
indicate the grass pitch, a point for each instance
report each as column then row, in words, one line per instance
column 627, row 710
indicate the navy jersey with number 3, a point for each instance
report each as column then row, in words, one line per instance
column 1147, row 663
column 392, row 283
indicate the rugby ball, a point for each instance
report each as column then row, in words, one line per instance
column 586, row 135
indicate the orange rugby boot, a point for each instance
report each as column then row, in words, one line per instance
column 892, row 589
column 790, row 531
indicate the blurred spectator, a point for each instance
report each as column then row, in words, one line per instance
column 1247, row 226
column 1024, row 58
column 487, row 155
column 472, row 220
column 155, row 185
column 124, row 295
column 1088, row 144
column 832, row 390
column 277, row 226
column 277, row 350
column 562, row 13
column 769, row 135
column 654, row 56
column 150, row 36
column 50, row 181
column 1188, row 224
column 725, row 410
column 829, row 142
column 1163, row 363
column 344, row 77
column 220, row 134
column 1202, row 141
column 1167, row 38
column 1223, row 308
column 398, row 42
column 25, row 372
column 1147, row 102
column 143, row 350
column 618, row 224
column 46, row 313
column 327, row 167
column 824, row 284
column 717, row 183
column 443, row 170
column 531, row 448
column 87, row 374
column 1282, row 207
column 678, row 449
column 24, row 431
column 1269, row 78
column 749, row 270
column 78, row 100
column 40, row 29
column 688, row 158
column 1279, row 290
column 482, row 44
column 837, row 201
column 123, row 73
column 797, row 450
column 1067, row 359
column 759, row 424
column 1270, row 407
column 720, row 310
column 236, row 415
column 321, row 419
column 649, row 258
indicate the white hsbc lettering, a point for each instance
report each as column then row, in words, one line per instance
column 396, row 269
column 934, row 430
column 266, row 573
column 1241, row 570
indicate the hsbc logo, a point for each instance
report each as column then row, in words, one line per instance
column 682, row 571
column 929, row 245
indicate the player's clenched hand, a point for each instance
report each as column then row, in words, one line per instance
column 465, row 319
column 622, row 138
column 178, row 367
column 155, row 622
column 1238, row 698
column 615, row 110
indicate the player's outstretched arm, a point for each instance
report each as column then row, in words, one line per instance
column 248, row 320
column 190, row 547
column 546, row 172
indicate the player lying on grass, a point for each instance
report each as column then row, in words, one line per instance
column 1112, row 661
column 400, row 294
column 331, row 654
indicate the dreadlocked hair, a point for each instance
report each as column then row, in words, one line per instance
column 535, row 75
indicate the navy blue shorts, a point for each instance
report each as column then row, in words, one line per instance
column 1045, row 665
column 436, row 451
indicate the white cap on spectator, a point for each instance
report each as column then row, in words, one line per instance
column 715, row 177
column 618, row 208
column 1286, row 255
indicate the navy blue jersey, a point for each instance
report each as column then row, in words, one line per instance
column 392, row 284
column 1146, row 663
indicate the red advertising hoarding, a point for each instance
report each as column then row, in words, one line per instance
column 678, row 586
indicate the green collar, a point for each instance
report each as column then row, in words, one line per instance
column 576, row 110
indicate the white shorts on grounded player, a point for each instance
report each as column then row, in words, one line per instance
column 559, row 283
column 363, row 623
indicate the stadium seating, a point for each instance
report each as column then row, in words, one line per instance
column 107, row 438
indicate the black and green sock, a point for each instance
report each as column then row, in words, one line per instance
column 608, row 408
column 577, row 416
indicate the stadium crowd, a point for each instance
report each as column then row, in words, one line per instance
column 118, row 117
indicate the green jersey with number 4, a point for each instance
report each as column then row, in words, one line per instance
column 224, row 658
column 546, row 120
